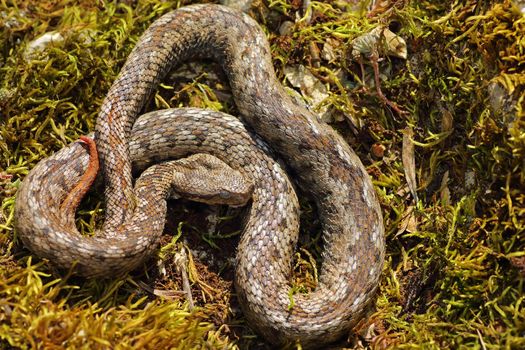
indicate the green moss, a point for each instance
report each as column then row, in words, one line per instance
column 456, row 257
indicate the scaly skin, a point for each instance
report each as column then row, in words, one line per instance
column 48, row 196
column 323, row 164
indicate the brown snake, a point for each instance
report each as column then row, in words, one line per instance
column 322, row 163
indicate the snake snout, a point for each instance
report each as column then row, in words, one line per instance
column 207, row 179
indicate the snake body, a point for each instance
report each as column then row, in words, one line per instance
column 47, row 228
column 320, row 160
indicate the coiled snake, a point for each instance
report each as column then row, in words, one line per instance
column 322, row 163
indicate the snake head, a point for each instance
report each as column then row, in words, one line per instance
column 207, row 179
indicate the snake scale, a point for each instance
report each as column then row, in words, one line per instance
column 319, row 159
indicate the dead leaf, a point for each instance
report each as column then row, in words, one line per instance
column 312, row 89
column 444, row 190
column 41, row 43
column 328, row 53
column 286, row 28
column 241, row 5
column 409, row 161
column 379, row 40
column 394, row 45
column 408, row 222
column 165, row 293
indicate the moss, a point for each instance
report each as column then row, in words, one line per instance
column 455, row 263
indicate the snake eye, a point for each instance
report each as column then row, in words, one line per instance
column 225, row 194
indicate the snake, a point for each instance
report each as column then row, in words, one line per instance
column 319, row 160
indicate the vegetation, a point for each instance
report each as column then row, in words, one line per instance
column 443, row 139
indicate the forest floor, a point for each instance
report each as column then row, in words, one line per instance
column 430, row 95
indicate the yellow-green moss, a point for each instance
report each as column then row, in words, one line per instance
column 456, row 258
